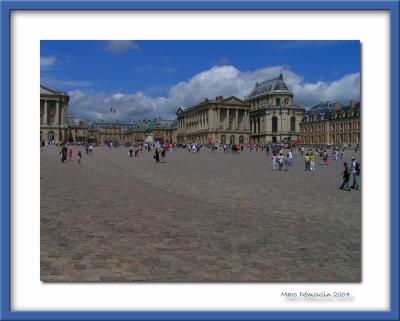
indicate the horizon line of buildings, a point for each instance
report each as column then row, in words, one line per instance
column 267, row 115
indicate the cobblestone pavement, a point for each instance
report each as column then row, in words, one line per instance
column 204, row 216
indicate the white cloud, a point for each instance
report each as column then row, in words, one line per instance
column 219, row 80
column 57, row 84
column 47, row 62
column 119, row 46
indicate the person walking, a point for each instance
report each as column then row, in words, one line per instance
column 325, row 157
column 90, row 149
column 70, row 154
column 163, row 154
column 355, row 172
column 156, row 155
column 357, row 186
column 130, row 151
column 79, row 157
column 346, row 177
column 64, row 151
column 290, row 158
column 307, row 161
column 273, row 162
column 281, row 160
column 312, row 161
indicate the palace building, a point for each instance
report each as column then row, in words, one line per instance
column 267, row 115
column 330, row 123
column 223, row 120
column 274, row 118
column 53, row 114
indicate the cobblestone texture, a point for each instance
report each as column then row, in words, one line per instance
column 198, row 217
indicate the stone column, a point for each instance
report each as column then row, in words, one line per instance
column 45, row 113
column 57, row 113
column 237, row 119
column 227, row 118
column 62, row 115
column 219, row 118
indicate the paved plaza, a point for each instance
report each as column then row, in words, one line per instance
column 205, row 216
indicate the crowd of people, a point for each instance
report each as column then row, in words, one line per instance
column 282, row 155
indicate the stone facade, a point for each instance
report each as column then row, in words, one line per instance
column 268, row 115
column 332, row 124
column 117, row 132
column 224, row 121
column 53, row 115
column 274, row 117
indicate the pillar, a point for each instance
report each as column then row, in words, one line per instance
column 219, row 118
column 227, row 118
column 57, row 113
column 237, row 119
column 45, row 113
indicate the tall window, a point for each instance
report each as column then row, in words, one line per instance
column 274, row 124
column 278, row 101
column 293, row 124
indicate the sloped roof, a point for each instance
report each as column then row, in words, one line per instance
column 274, row 85
column 322, row 107
column 48, row 91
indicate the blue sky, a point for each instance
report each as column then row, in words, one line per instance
column 146, row 79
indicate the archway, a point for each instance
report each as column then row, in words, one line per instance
column 50, row 136
column 232, row 140
column 223, row 139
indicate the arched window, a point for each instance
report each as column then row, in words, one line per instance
column 293, row 124
column 278, row 101
column 232, row 140
column 274, row 124
column 240, row 140
column 223, row 139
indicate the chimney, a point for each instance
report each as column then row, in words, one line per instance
column 352, row 104
column 337, row 105
column 206, row 99
column 219, row 98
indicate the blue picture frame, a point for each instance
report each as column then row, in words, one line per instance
column 7, row 6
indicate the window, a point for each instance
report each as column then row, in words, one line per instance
column 278, row 101
column 274, row 124
column 293, row 124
